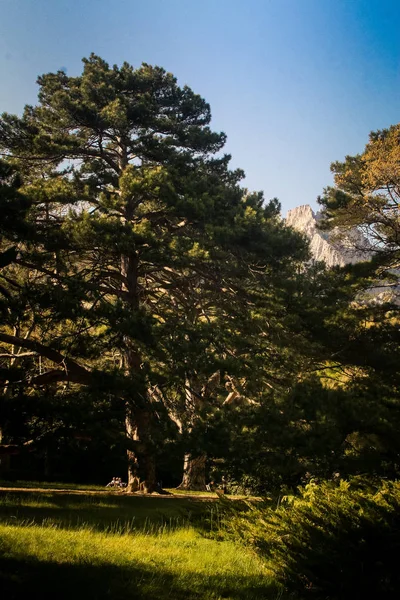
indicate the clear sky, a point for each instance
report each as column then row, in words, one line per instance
column 295, row 84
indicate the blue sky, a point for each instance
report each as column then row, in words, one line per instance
column 295, row 84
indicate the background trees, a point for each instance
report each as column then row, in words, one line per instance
column 340, row 412
column 366, row 196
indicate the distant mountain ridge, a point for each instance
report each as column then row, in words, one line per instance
column 330, row 247
column 337, row 249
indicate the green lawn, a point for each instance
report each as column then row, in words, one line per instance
column 46, row 485
column 108, row 545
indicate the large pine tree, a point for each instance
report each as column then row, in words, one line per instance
column 142, row 241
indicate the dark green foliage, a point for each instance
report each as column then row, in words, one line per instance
column 71, row 436
column 366, row 196
column 333, row 542
column 150, row 262
column 313, row 431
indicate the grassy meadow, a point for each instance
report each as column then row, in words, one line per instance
column 76, row 544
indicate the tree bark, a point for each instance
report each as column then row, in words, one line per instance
column 138, row 424
column 138, row 418
column 194, row 467
column 194, row 473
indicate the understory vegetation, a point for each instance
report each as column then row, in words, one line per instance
column 332, row 540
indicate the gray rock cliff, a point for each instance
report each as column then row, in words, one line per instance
column 335, row 248
column 330, row 247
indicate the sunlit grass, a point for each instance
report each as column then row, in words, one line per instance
column 179, row 492
column 106, row 512
column 56, row 544
column 184, row 550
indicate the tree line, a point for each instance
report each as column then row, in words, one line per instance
column 151, row 304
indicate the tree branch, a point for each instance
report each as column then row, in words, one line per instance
column 52, row 377
column 19, row 355
column 72, row 371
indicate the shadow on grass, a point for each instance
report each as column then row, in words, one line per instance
column 34, row 579
column 100, row 513
column 44, row 485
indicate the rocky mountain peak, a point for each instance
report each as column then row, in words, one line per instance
column 336, row 248
column 331, row 247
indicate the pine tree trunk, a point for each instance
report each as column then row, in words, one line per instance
column 138, row 418
column 194, row 473
column 138, row 428
column 194, row 467
column 141, row 461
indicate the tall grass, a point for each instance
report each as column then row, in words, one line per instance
column 65, row 546
column 103, row 512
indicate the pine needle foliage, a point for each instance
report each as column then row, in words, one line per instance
column 333, row 541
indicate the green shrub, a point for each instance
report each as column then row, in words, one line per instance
column 333, row 541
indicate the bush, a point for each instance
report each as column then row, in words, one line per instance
column 333, row 541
